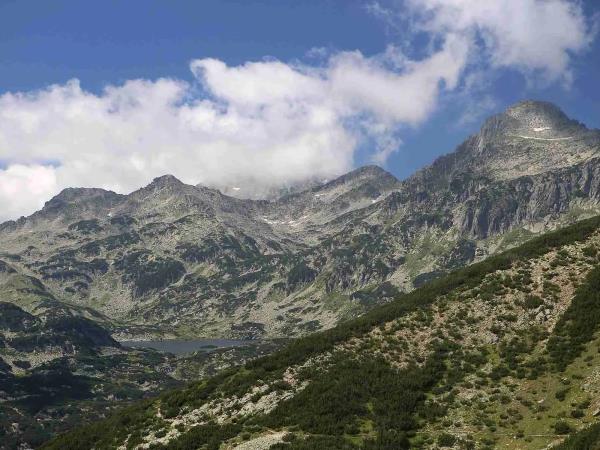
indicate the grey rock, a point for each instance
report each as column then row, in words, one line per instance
column 192, row 261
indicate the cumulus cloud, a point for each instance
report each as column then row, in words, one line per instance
column 37, row 182
column 530, row 35
column 260, row 124
column 263, row 124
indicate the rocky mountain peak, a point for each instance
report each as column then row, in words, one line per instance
column 165, row 181
column 528, row 138
column 534, row 114
column 76, row 194
column 171, row 198
column 529, row 119
column 72, row 202
column 365, row 173
column 165, row 186
column 367, row 182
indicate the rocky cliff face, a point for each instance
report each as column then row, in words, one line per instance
column 189, row 260
column 500, row 354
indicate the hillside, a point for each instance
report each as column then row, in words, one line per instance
column 176, row 260
column 500, row 354
column 59, row 364
column 58, row 368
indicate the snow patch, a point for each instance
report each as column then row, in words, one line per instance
column 272, row 222
column 537, row 130
column 545, row 139
column 291, row 223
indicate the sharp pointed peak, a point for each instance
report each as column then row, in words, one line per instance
column 369, row 169
column 166, row 180
column 368, row 172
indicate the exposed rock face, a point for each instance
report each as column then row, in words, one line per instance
column 190, row 260
column 53, row 331
column 483, row 358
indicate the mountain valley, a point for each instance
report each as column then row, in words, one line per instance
column 450, row 291
column 177, row 260
column 501, row 354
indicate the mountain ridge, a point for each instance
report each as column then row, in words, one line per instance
column 172, row 260
column 498, row 354
column 224, row 266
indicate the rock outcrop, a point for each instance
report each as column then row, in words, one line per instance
column 189, row 260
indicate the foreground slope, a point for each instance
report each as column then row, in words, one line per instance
column 178, row 260
column 501, row 354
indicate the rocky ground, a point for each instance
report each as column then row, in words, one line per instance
column 502, row 354
column 177, row 260
column 174, row 260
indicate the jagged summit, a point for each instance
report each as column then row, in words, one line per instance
column 71, row 194
column 530, row 119
column 166, row 184
column 166, row 180
column 71, row 202
column 536, row 112
column 369, row 172
column 368, row 181
column 527, row 139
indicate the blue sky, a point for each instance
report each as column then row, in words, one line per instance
column 109, row 43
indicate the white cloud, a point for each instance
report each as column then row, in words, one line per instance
column 530, row 35
column 267, row 123
column 24, row 188
column 258, row 125
column 362, row 83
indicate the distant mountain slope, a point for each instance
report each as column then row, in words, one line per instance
column 187, row 260
column 59, row 365
column 501, row 354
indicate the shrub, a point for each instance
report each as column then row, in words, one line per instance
column 446, row 440
column 577, row 413
column 562, row 427
column 533, row 302
column 561, row 394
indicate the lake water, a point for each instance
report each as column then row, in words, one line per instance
column 182, row 347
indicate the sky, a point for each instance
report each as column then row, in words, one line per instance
column 260, row 94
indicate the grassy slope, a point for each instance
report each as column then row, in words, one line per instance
column 344, row 392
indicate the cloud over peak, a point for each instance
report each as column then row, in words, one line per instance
column 265, row 123
column 268, row 123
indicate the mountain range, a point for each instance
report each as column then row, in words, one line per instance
column 172, row 260
column 175, row 260
column 501, row 354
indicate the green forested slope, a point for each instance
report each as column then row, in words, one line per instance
column 504, row 353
